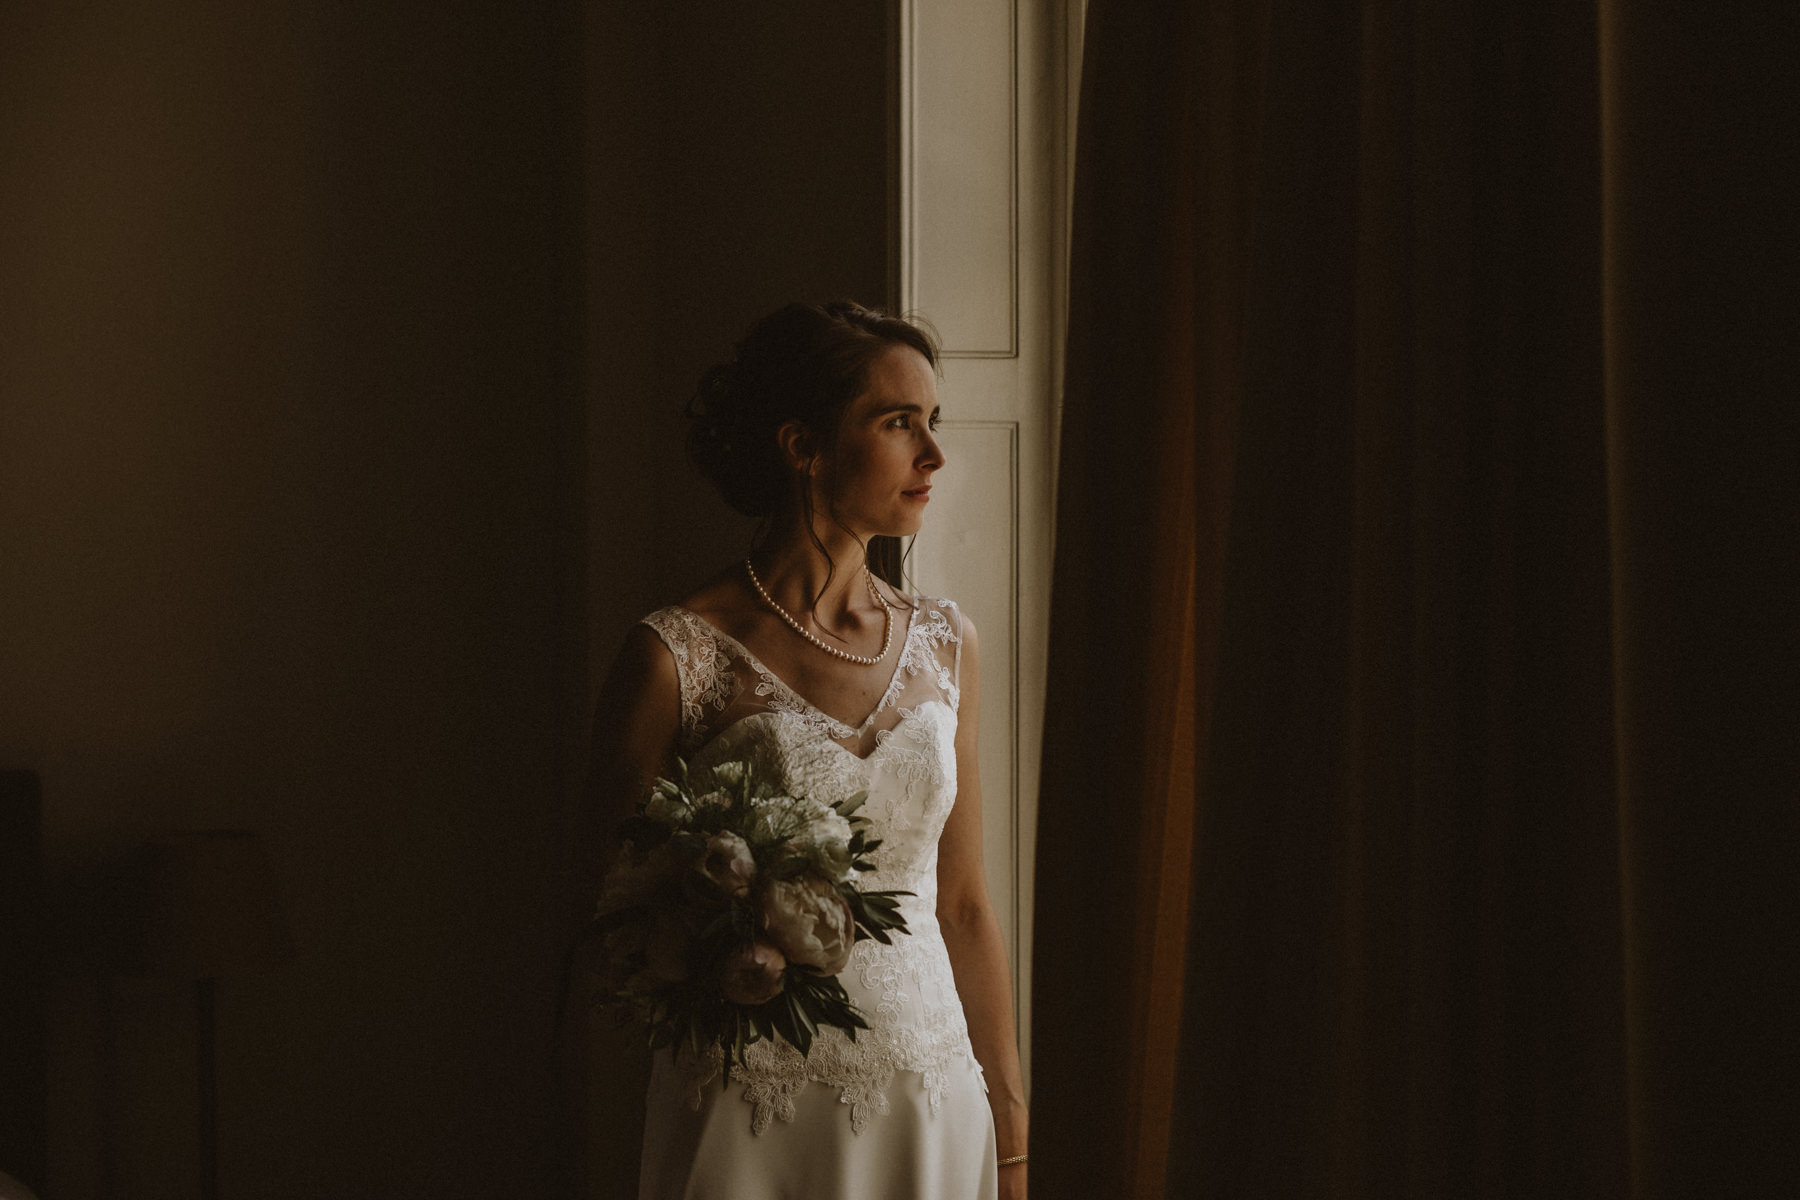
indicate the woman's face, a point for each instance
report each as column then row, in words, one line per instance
column 878, row 477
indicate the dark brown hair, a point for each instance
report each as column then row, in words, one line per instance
column 804, row 363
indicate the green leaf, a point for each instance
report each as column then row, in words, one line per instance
column 781, row 1020
column 800, row 1026
column 803, row 1008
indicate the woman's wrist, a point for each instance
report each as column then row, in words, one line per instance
column 1012, row 1121
column 1012, row 1139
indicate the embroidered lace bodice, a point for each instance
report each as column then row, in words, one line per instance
column 904, row 755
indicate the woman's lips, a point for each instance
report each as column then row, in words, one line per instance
column 921, row 494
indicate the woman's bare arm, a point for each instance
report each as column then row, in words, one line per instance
column 635, row 725
column 972, row 936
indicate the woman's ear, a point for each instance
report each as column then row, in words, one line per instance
column 797, row 448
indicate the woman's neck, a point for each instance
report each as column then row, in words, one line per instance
column 794, row 572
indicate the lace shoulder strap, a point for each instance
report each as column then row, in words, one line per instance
column 939, row 642
column 702, row 669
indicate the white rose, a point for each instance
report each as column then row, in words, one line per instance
column 810, row 921
column 824, row 838
column 832, row 858
column 827, row 825
column 785, row 818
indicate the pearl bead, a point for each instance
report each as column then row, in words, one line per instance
column 887, row 614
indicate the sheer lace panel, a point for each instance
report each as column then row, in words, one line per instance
column 722, row 682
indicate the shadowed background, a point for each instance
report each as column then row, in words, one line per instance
column 343, row 347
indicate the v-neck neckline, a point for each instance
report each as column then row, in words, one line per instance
column 887, row 694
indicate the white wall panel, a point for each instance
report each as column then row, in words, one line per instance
column 963, row 186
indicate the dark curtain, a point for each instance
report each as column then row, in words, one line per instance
column 1420, row 768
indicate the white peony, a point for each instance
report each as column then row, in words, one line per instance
column 729, row 864
column 832, row 857
column 810, row 921
column 793, row 819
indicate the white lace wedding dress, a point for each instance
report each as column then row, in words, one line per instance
column 901, row 1112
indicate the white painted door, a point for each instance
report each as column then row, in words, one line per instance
column 984, row 93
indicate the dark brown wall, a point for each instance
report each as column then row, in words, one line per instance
column 290, row 439
column 737, row 158
column 316, row 365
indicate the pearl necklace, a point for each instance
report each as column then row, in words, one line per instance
column 887, row 616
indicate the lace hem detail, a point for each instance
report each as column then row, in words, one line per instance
column 917, row 1024
column 774, row 1073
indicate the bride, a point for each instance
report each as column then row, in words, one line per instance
column 803, row 659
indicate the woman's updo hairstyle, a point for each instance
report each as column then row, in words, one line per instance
column 805, row 363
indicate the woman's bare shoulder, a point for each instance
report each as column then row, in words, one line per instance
column 642, row 667
column 723, row 601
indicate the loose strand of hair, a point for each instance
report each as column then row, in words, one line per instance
column 806, row 509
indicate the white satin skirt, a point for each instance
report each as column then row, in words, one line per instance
column 910, row 1153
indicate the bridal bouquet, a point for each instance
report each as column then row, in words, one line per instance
column 730, row 913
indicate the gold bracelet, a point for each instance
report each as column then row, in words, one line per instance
column 1007, row 1162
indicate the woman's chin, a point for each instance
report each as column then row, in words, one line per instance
column 902, row 525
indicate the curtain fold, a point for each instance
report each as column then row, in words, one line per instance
column 1702, row 183
column 1384, row 720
